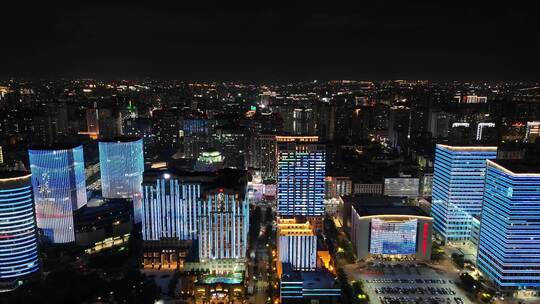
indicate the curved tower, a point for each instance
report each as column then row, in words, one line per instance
column 58, row 179
column 18, row 238
column 122, row 165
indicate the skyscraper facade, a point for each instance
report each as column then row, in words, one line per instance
column 223, row 224
column 196, row 135
column 458, row 188
column 266, row 155
column 122, row 165
column 59, row 185
column 18, row 231
column 509, row 241
column 169, row 206
column 297, row 245
column 301, row 173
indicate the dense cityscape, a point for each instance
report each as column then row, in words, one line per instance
column 341, row 191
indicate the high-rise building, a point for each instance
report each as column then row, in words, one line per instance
column 18, row 233
column 92, row 122
column 509, row 246
column 170, row 206
column 58, row 180
column 301, row 173
column 141, row 127
column 266, row 155
column 109, row 123
column 438, row 123
column 208, row 207
column 122, row 165
column 223, row 218
column 399, row 126
column 1, row 156
column 196, row 135
column 297, row 245
column 51, row 124
column 458, row 188
column 231, row 141
column 166, row 127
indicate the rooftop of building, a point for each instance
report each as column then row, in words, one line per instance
column 384, row 205
column 370, row 199
column 289, row 227
column 468, row 148
column 231, row 179
column 318, row 279
column 111, row 211
column 297, row 138
column 55, row 147
column 13, row 174
column 120, row 139
column 518, row 166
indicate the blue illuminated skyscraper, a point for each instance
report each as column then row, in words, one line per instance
column 122, row 165
column 59, row 184
column 301, row 173
column 18, row 235
column 509, row 243
column 458, row 187
column 170, row 204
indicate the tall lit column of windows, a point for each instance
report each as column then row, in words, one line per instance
column 18, row 237
column 301, row 173
column 509, row 242
column 59, row 184
column 458, row 188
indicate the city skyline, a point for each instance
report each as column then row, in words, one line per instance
column 300, row 152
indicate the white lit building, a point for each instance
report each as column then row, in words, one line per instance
column 297, row 245
column 402, row 186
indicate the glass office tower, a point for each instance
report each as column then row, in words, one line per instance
column 458, row 188
column 18, row 237
column 509, row 243
column 59, row 185
column 121, row 162
column 301, row 173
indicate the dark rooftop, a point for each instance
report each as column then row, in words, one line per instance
column 13, row 174
column 53, row 147
column 384, row 205
column 120, row 139
column 224, row 178
column 520, row 166
column 311, row 279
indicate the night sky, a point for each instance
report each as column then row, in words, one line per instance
column 301, row 41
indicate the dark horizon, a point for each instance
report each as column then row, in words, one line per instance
column 295, row 42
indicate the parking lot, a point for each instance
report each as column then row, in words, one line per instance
column 408, row 283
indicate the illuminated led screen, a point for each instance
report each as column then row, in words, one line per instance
column 393, row 237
